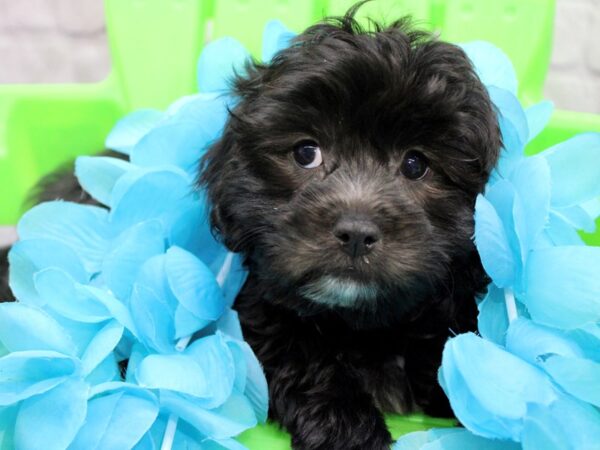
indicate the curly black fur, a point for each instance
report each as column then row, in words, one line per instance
column 367, row 97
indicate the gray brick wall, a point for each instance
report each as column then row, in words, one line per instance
column 64, row 41
column 574, row 78
column 51, row 41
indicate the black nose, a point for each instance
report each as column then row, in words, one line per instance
column 357, row 235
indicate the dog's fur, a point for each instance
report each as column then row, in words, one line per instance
column 343, row 340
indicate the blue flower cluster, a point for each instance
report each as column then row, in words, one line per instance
column 531, row 379
column 123, row 335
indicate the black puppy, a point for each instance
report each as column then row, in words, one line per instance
column 347, row 176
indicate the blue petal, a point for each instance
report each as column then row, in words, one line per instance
column 489, row 388
column 129, row 251
column 533, row 342
column 542, row 431
column 175, row 372
column 159, row 314
column 493, row 320
column 492, row 65
column 417, row 439
column 60, row 291
column 102, row 345
column 155, row 436
column 230, row 419
column 219, row 62
column 154, row 319
column 220, row 444
column 559, row 232
column 567, row 422
column 23, row 327
column 83, row 228
column 28, row 257
column 98, row 175
column 152, row 275
column 214, row 355
column 51, row 421
column 531, row 179
column 104, row 372
column 250, row 378
column 276, row 37
column 193, row 284
column 186, row 437
column 577, row 217
column 465, row 440
column 563, row 286
column 492, row 244
column 592, row 208
column 513, row 121
column 80, row 302
column 588, row 340
column 177, row 105
column 538, row 117
column 231, row 276
column 180, row 144
column 208, row 112
column 509, row 208
column 574, row 169
column 450, row 439
column 239, row 359
column 136, row 356
column 170, row 191
column 8, row 416
column 229, row 324
column 187, row 323
column 577, row 376
column 117, row 420
column 129, row 130
column 28, row 373
column 190, row 230
column 256, row 390
column 146, row 443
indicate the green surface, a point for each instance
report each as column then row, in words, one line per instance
column 155, row 44
column 270, row 436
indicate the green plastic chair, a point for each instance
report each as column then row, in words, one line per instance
column 155, row 43
column 154, row 46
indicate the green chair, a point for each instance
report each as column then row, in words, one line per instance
column 155, row 44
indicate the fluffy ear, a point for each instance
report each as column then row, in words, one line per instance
column 219, row 166
column 222, row 171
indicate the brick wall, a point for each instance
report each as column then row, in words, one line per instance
column 64, row 40
column 52, row 41
column 574, row 78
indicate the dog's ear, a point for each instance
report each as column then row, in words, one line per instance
column 219, row 166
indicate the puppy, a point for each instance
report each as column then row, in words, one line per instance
column 347, row 176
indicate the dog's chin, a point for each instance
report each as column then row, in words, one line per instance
column 340, row 292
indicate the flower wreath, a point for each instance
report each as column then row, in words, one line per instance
column 142, row 281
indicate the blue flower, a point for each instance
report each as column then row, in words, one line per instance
column 124, row 336
column 532, row 378
column 139, row 286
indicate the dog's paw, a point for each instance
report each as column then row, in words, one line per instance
column 341, row 426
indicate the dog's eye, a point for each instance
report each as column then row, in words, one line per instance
column 414, row 165
column 308, row 154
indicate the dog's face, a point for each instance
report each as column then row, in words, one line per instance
column 348, row 170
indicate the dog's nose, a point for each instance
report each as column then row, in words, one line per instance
column 357, row 235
